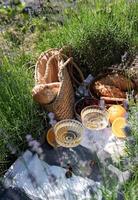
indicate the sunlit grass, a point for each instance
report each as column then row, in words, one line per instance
column 19, row 114
column 99, row 33
column 131, row 187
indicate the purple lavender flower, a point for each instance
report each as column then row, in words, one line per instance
column 81, row 89
column 11, row 149
column 52, row 122
column 52, row 119
column 127, row 130
column 88, row 80
column 131, row 141
column 126, row 115
column 35, row 147
column 29, row 138
column 51, row 115
column 39, row 151
column 126, row 104
column 86, row 93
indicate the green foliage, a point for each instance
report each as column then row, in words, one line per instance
column 8, row 13
column 18, row 113
column 98, row 33
column 14, row 36
column 131, row 187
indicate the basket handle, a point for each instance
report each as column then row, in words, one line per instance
column 68, row 49
column 79, row 72
column 64, row 64
column 70, row 70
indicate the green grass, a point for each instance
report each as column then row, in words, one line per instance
column 98, row 33
column 131, row 187
column 19, row 114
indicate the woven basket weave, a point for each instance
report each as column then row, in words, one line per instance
column 53, row 79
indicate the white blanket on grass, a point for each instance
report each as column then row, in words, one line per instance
column 50, row 181
column 104, row 141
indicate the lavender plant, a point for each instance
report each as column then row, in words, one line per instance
column 19, row 114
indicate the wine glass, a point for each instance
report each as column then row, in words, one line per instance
column 94, row 118
column 68, row 133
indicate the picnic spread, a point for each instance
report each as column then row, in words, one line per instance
column 88, row 120
column 104, row 97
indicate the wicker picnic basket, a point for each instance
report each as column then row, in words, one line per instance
column 53, row 83
column 113, row 84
